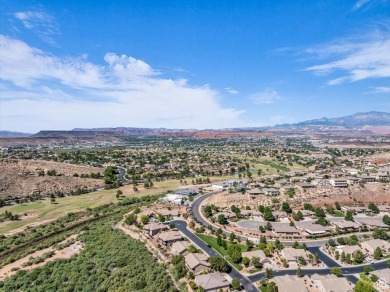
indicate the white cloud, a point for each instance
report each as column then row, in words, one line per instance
column 42, row 91
column 360, row 3
column 41, row 23
column 355, row 61
column 232, row 90
column 265, row 97
column 381, row 89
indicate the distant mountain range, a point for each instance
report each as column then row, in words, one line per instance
column 10, row 134
column 360, row 123
column 355, row 120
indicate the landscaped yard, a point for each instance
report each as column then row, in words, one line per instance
column 338, row 214
column 212, row 241
column 43, row 210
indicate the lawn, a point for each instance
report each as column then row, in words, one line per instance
column 338, row 214
column 44, row 210
column 212, row 241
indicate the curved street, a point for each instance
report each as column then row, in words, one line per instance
column 245, row 282
column 313, row 247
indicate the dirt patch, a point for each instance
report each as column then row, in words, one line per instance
column 21, row 178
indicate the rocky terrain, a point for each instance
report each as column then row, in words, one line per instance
column 20, row 178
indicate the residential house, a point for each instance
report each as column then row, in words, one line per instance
column 331, row 283
column 351, row 180
column 248, row 213
column 367, row 178
column 284, row 229
column 256, row 253
column 291, row 255
column 197, row 262
column 338, row 182
column 371, row 245
column 383, row 282
column 271, row 191
column 212, row 282
column 355, row 210
column 289, row 283
column 255, row 192
column 168, row 213
column 382, row 176
column 345, row 225
column 169, row 237
column 180, row 247
column 153, row 228
column 349, row 249
column 384, row 208
column 312, row 228
column 371, row 222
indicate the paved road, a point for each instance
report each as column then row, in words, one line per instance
column 245, row 282
column 122, row 173
column 313, row 247
column 195, row 212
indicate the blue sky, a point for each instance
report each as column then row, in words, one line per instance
column 190, row 64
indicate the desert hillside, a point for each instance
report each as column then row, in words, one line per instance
column 20, row 178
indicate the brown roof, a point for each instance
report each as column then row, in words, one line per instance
column 212, row 281
column 195, row 259
column 255, row 253
column 170, row 235
column 155, row 226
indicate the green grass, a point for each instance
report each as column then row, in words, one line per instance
column 43, row 210
column 212, row 241
column 338, row 214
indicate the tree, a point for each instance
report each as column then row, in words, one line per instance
column 364, row 286
column 256, row 263
column 222, row 220
column 299, row 272
column 207, row 211
column 358, row 257
column 374, row 208
column 144, row 219
column 348, row 258
column 336, row 271
column 192, row 249
column 349, row 216
column 269, row 273
column 320, row 212
column 245, row 261
column 268, row 216
column 368, row 269
column 286, row 207
column 378, row 253
column 131, row 219
column 302, row 261
column 234, row 251
column 236, row 285
column 232, row 237
column 191, row 224
column 342, row 257
column 337, row 206
column 386, row 219
column 219, row 264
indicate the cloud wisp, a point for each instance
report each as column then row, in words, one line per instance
column 232, row 90
column 354, row 61
column 64, row 92
column 41, row 23
column 267, row 96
